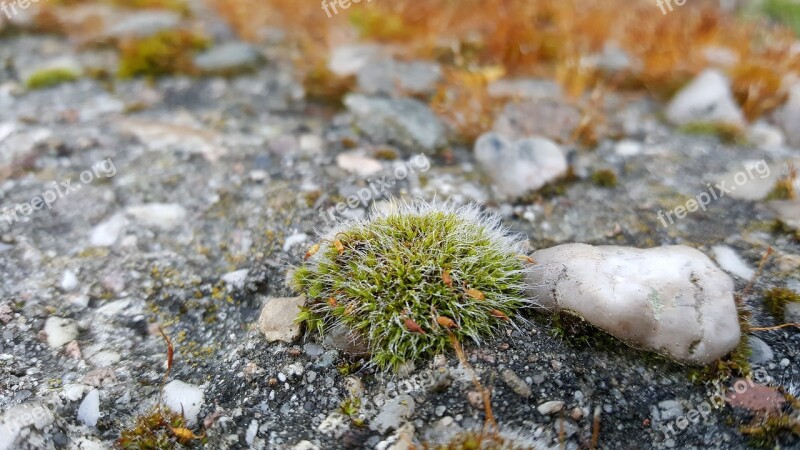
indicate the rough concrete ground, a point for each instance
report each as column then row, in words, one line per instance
column 212, row 175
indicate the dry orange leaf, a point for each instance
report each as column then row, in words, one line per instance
column 413, row 326
column 446, row 322
column 312, row 251
column 499, row 314
column 476, row 294
column 446, row 278
column 339, row 247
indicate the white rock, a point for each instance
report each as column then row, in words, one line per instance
column 73, row 392
column 89, row 411
column 69, row 282
column 706, row 99
column 236, row 279
column 731, row 262
column 522, row 166
column 550, row 407
column 60, row 331
column 672, row 300
column 628, row 147
column 356, row 163
column 162, row 215
column 106, row 234
column 252, row 431
column 277, row 320
column 184, row 398
column 295, row 239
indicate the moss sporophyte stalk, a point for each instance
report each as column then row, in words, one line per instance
column 413, row 274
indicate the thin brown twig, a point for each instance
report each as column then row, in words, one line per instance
column 777, row 327
column 486, row 394
column 595, row 428
column 170, row 359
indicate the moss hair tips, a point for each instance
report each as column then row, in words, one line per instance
column 412, row 275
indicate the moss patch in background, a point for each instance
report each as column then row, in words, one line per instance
column 46, row 78
column 165, row 53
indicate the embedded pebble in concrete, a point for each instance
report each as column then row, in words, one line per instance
column 672, row 300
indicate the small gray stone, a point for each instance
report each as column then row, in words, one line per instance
column 761, row 352
column 670, row 409
column 143, row 23
column 550, row 407
column 791, row 312
column 517, row 168
column 393, row 414
column 60, row 331
column 277, row 321
column 517, row 384
column 341, row 338
column 706, row 99
column 228, row 58
column 391, row 77
column 404, row 122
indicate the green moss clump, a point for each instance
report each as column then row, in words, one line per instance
column 412, row 275
column 165, row 53
column 783, row 190
column 776, row 299
column 604, row 178
column 155, row 431
column 46, row 78
column 727, row 133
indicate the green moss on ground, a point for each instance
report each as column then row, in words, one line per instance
column 776, row 299
column 165, row 53
column 412, row 275
column 46, row 78
column 604, row 178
